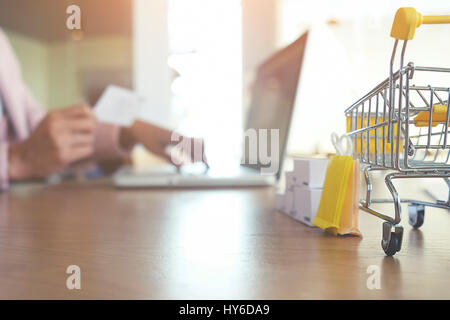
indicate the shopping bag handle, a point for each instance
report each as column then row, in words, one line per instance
column 407, row 20
column 338, row 143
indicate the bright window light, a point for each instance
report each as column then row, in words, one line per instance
column 206, row 59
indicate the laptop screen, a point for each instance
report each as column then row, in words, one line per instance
column 273, row 99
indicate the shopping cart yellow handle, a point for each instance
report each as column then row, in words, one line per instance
column 408, row 19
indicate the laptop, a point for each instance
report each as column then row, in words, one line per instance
column 271, row 109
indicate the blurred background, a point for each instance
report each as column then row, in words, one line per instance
column 195, row 59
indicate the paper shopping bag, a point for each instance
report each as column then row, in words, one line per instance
column 348, row 223
column 338, row 208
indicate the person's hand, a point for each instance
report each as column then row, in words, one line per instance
column 62, row 137
column 169, row 145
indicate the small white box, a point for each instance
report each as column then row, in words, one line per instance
column 298, row 201
column 291, row 179
column 306, row 203
column 289, row 201
column 291, row 184
column 310, row 172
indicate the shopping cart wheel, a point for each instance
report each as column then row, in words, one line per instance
column 392, row 240
column 416, row 215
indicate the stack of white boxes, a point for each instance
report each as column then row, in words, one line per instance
column 303, row 189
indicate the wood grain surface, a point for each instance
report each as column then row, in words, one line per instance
column 204, row 244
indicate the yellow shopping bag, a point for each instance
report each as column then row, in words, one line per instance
column 362, row 147
column 439, row 116
column 338, row 208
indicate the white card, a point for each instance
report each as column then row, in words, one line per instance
column 118, row 106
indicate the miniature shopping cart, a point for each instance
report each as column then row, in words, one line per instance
column 402, row 127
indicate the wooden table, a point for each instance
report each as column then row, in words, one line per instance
column 207, row 244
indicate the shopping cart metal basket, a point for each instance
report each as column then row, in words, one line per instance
column 401, row 127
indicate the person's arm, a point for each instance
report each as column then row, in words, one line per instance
column 43, row 144
column 21, row 107
column 111, row 142
column 157, row 140
column 107, row 137
column 63, row 137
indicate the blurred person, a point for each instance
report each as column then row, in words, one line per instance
column 34, row 144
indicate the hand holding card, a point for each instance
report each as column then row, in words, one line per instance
column 119, row 106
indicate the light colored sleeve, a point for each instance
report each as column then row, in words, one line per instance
column 34, row 112
column 15, row 92
column 107, row 142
